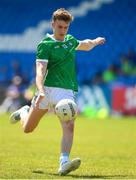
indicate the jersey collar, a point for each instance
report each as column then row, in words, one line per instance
column 51, row 36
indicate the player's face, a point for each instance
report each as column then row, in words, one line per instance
column 60, row 29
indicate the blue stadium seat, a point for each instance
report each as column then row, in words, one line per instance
column 116, row 21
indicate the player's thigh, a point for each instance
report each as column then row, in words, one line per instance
column 34, row 117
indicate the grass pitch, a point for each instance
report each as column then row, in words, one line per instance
column 107, row 149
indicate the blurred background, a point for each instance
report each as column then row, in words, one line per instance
column 106, row 75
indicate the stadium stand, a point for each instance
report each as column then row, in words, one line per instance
column 24, row 22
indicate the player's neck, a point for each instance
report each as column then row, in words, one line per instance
column 58, row 38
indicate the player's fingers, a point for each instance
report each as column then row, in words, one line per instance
column 102, row 41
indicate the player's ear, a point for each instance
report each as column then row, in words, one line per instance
column 52, row 24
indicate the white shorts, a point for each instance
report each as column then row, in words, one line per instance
column 53, row 95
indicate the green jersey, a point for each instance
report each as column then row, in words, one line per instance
column 61, row 61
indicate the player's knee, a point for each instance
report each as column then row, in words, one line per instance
column 70, row 127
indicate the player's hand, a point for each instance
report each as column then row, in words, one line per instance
column 39, row 98
column 100, row 41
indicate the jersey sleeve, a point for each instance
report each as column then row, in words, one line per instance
column 76, row 42
column 42, row 52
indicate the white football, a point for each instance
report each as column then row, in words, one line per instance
column 66, row 109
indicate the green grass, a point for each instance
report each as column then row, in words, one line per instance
column 107, row 149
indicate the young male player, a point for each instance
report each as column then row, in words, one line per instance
column 56, row 80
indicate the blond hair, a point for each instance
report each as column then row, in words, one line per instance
column 62, row 14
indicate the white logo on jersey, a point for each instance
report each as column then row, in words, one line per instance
column 70, row 43
column 56, row 47
column 64, row 46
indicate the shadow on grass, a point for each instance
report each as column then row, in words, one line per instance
column 92, row 177
column 38, row 171
column 99, row 177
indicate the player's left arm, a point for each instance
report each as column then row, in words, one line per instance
column 88, row 44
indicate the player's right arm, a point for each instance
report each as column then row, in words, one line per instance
column 42, row 57
column 41, row 70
